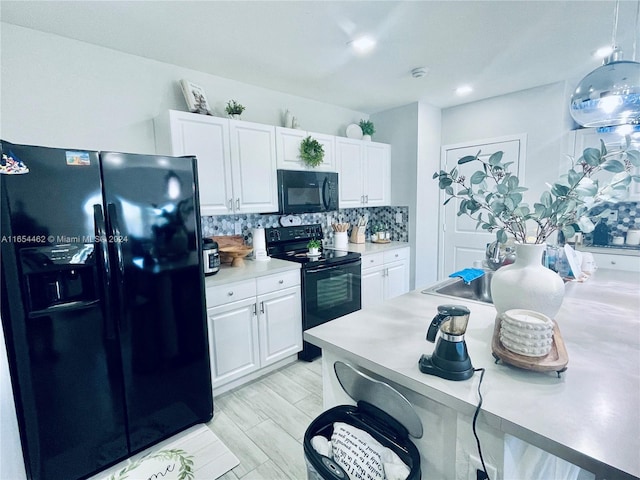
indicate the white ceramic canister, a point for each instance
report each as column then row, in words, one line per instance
column 340, row 240
column 633, row 237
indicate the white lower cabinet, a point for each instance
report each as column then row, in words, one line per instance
column 385, row 275
column 252, row 325
column 233, row 336
column 280, row 325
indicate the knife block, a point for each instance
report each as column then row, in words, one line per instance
column 357, row 234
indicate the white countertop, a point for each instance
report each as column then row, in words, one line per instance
column 369, row 247
column 251, row 269
column 590, row 416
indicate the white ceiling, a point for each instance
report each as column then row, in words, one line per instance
column 300, row 47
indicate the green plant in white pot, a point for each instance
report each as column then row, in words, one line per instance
column 493, row 196
column 314, row 247
column 368, row 129
column 234, row 109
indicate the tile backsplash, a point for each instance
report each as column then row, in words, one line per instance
column 628, row 217
column 244, row 223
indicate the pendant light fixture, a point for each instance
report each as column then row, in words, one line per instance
column 610, row 95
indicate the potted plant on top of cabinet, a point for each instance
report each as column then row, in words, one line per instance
column 367, row 129
column 234, row 109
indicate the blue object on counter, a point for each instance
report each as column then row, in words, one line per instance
column 468, row 274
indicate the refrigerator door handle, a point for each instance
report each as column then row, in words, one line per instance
column 116, row 239
column 103, row 259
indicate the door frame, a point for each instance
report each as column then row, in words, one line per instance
column 522, row 157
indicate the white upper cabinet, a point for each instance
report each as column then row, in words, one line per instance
column 206, row 137
column 377, row 174
column 288, row 149
column 365, row 173
column 253, row 158
column 236, row 160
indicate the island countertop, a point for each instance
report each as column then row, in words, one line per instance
column 590, row 416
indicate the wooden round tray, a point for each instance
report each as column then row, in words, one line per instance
column 555, row 361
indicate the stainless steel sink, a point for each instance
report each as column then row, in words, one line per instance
column 478, row 290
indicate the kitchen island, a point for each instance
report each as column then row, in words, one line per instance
column 588, row 416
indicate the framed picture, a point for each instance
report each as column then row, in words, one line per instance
column 195, row 97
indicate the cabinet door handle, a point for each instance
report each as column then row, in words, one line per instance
column 362, row 199
column 230, row 293
column 261, row 307
column 255, row 309
column 280, row 282
column 366, row 199
column 237, row 204
column 231, row 204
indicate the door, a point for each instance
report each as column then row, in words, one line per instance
column 372, row 286
column 396, row 279
column 349, row 162
column 460, row 243
column 253, row 159
column 62, row 346
column 280, row 325
column 233, row 331
column 206, row 138
column 288, row 148
column 377, row 174
column 330, row 292
column 154, row 235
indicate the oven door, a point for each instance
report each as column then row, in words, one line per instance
column 330, row 292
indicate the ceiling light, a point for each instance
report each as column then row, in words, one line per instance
column 363, row 44
column 610, row 95
column 464, row 90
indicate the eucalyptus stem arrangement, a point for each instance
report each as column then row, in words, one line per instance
column 493, row 195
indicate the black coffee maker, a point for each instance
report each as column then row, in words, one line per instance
column 450, row 358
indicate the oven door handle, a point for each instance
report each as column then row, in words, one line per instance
column 333, row 266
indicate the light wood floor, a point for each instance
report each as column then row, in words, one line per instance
column 263, row 422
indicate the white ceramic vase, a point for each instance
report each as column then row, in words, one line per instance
column 527, row 283
column 366, row 138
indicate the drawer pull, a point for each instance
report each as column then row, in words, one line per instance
column 280, row 282
column 230, row 293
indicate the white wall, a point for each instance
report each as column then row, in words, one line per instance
column 414, row 134
column 399, row 127
column 542, row 113
column 64, row 93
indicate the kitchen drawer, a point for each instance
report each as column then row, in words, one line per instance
column 221, row 294
column 396, row 255
column 617, row 262
column 272, row 283
column 372, row 260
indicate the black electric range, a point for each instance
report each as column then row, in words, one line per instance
column 330, row 282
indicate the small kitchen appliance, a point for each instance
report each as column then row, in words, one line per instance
column 210, row 256
column 307, row 192
column 259, row 245
column 450, row 358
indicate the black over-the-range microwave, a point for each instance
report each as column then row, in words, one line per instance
column 307, row 192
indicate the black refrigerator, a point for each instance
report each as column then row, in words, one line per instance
column 102, row 304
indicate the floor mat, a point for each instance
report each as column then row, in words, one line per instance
column 195, row 454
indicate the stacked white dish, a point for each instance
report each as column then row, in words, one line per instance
column 526, row 332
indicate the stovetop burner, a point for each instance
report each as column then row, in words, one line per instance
column 290, row 243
